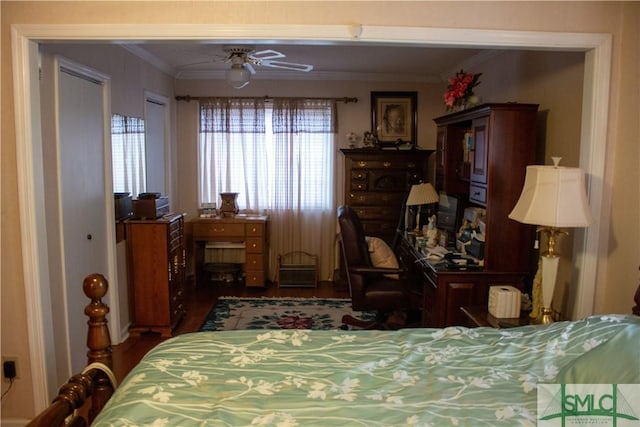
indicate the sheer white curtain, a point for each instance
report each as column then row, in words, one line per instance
column 303, row 209
column 128, row 154
column 287, row 171
column 233, row 147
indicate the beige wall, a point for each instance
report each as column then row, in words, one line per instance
column 623, row 160
column 619, row 271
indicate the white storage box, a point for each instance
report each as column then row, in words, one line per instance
column 504, row 301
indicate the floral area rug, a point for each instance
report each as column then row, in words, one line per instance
column 232, row 313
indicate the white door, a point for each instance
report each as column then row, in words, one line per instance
column 81, row 160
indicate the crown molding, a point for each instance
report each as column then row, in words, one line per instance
column 147, row 56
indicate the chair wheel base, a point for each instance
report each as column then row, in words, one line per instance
column 395, row 320
column 348, row 320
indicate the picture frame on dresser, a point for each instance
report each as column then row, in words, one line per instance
column 394, row 117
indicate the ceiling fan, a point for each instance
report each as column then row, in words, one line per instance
column 243, row 59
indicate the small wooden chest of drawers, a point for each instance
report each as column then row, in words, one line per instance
column 156, row 267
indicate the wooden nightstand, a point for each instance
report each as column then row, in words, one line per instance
column 479, row 316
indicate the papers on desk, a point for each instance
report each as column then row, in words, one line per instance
column 434, row 254
column 437, row 253
column 441, row 258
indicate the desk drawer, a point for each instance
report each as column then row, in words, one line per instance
column 254, row 278
column 478, row 194
column 255, row 229
column 254, row 262
column 254, row 245
column 203, row 230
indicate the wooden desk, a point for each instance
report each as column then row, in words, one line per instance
column 480, row 316
column 248, row 229
column 444, row 291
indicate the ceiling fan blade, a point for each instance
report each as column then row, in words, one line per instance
column 249, row 67
column 196, row 63
column 266, row 54
column 287, row 65
column 221, row 58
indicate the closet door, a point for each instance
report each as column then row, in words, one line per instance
column 81, row 159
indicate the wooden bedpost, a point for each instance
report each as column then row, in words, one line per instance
column 93, row 383
column 95, row 286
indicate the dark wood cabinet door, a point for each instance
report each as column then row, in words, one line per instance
column 450, row 167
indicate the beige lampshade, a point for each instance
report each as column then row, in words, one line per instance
column 553, row 196
column 422, row 194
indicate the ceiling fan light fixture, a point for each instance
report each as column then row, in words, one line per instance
column 238, row 76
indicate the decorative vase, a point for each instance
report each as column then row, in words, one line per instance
column 472, row 101
column 229, row 205
column 459, row 107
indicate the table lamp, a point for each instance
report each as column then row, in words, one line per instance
column 421, row 194
column 553, row 198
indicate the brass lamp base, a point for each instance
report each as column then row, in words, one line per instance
column 545, row 317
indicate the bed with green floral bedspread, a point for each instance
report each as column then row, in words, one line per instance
column 411, row 377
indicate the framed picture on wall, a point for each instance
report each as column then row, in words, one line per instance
column 394, row 117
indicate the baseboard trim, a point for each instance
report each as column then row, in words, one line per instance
column 124, row 333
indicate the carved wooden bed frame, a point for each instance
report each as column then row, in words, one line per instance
column 94, row 385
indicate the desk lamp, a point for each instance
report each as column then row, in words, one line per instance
column 421, row 194
column 553, row 198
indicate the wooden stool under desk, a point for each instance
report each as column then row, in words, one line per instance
column 248, row 229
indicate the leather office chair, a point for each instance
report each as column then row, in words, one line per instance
column 370, row 288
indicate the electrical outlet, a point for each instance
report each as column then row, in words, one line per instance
column 10, row 359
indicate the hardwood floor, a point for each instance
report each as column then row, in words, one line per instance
column 199, row 302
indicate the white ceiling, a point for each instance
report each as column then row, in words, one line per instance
column 192, row 60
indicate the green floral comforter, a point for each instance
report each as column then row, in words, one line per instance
column 411, row 377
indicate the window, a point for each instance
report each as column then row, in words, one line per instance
column 279, row 157
column 276, row 155
column 128, row 154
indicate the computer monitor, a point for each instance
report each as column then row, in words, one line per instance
column 449, row 216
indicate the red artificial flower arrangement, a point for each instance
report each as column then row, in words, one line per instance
column 460, row 89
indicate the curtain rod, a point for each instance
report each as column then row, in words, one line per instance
column 190, row 98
